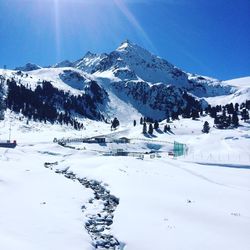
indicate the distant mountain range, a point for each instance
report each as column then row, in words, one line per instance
column 130, row 80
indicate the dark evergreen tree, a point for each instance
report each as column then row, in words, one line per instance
column 236, row 107
column 230, row 108
column 235, row 119
column 243, row 105
column 156, row 125
column 134, row 123
column 213, row 112
column 141, row 121
column 218, row 108
column 144, row 129
column 245, row 114
column 206, row 127
column 150, row 129
column 194, row 114
column 166, row 128
column 115, row 123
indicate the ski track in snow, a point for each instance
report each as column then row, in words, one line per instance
column 202, row 177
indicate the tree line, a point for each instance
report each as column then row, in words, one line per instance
column 48, row 104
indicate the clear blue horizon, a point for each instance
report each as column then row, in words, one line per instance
column 208, row 38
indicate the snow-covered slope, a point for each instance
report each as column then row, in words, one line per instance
column 240, row 92
column 67, row 79
column 35, row 77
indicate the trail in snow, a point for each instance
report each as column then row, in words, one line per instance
column 201, row 176
column 225, row 165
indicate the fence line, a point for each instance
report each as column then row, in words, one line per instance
column 226, row 158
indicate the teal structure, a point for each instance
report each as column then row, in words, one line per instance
column 179, row 149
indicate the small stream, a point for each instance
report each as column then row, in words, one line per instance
column 104, row 204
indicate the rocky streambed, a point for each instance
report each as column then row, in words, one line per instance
column 99, row 211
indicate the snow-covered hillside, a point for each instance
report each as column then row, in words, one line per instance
column 240, row 92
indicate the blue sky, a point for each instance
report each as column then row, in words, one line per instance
column 206, row 37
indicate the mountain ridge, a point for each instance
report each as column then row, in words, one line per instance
column 143, row 83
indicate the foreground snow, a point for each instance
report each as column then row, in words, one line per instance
column 39, row 210
column 164, row 203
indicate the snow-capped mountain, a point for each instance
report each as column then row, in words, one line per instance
column 130, row 79
column 131, row 62
column 65, row 63
column 28, row 67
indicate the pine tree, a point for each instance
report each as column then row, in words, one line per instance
column 236, row 107
column 156, row 125
column 141, row 121
column 245, row 114
column 115, row 123
column 235, row 119
column 206, row 127
column 213, row 112
column 134, row 123
column 230, row 108
column 150, row 129
column 144, row 129
column 194, row 114
column 166, row 128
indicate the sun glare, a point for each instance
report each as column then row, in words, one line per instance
column 97, row 19
column 57, row 28
column 132, row 19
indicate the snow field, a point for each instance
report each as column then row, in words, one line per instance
column 164, row 203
